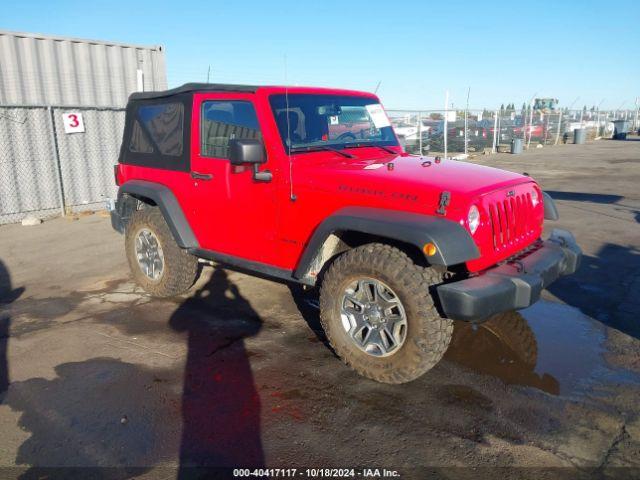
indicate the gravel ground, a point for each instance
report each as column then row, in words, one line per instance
column 94, row 373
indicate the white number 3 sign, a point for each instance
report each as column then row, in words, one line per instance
column 73, row 123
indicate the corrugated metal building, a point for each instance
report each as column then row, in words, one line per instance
column 47, row 70
column 44, row 169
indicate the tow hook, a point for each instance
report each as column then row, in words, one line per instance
column 518, row 265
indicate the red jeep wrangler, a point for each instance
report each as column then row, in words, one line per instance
column 399, row 245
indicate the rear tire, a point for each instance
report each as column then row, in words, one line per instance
column 173, row 270
column 426, row 335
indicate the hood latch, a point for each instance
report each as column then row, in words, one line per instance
column 445, row 199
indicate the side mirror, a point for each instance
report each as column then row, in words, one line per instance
column 243, row 151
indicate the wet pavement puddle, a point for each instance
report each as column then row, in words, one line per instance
column 549, row 346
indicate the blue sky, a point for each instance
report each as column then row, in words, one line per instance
column 504, row 51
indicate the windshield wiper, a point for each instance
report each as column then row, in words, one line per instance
column 312, row 148
column 359, row 144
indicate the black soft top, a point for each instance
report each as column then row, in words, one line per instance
column 165, row 143
column 194, row 87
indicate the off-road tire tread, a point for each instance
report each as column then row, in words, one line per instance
column 409, row 280
column 181, row 268
column 521, row 339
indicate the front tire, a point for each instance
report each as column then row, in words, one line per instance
column 396, row 338
column 157, row 263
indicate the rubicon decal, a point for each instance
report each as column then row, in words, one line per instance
column 378, row 193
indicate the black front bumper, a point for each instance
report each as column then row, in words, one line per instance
column 513, row 285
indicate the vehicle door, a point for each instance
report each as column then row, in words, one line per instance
column 235, row 215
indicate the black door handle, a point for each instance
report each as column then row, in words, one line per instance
column 201, row 176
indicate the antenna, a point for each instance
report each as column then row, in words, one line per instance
column 377, row 86
column 466, row 123
column 208, row 73
column 292, row 196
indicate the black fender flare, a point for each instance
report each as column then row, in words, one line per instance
column 453, row 243
column 164, row 198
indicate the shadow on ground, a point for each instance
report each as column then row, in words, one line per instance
column 107, row 414
column 604, row 286
column 220, row 403
column 7, row 295
column 600, row 198
column 584, row 197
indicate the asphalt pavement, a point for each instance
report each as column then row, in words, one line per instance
column 94, row 373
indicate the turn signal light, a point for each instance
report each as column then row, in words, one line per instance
column 429, row 249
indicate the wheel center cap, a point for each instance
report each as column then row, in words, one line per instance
column 374, row 313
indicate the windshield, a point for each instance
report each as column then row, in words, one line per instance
column 307, row 121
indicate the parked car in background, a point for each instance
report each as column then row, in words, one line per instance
column 406, row 130
column 478, row 138
column 411, row 133
column 510, row 129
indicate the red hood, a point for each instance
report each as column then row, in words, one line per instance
column 372, row 177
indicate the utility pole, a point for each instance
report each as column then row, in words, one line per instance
column 446, row 121
column 495, row 133
column 420, row 132
column 618, row 109
column 466, row 123
column 598, row 118
column 524, row 137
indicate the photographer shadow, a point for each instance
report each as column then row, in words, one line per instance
column 7, row 295
column 220, row 403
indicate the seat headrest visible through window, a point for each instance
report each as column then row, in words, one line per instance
column 291, row 128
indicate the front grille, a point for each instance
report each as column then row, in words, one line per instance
column 510, row 219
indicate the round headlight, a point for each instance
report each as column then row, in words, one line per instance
column 535, row 198
column 473, row 219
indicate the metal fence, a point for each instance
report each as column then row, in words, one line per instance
column 45, row 171
column 456, row 132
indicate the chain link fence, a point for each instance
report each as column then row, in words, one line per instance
column 456, row 132
column 45, row 171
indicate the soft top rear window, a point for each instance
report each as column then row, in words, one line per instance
column 158, row 128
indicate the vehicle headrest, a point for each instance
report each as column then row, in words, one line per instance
column 293, row 120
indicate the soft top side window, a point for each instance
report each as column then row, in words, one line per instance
column 223, row 120
column 158, row 128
